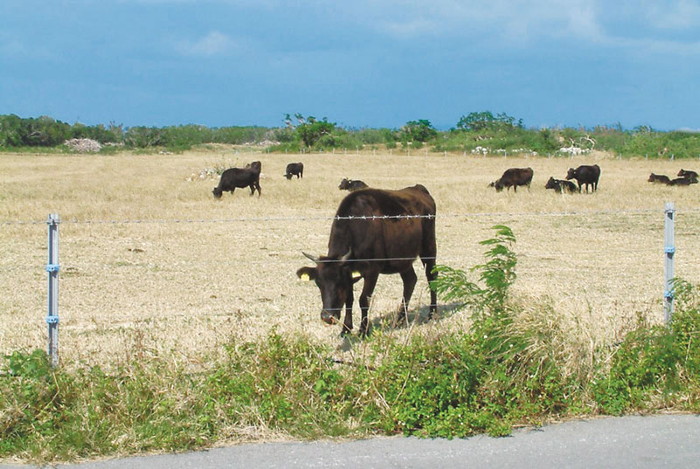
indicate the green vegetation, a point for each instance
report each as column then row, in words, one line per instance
column 477, row 132
column 509, row 368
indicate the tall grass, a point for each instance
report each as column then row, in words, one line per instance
column 512, row 367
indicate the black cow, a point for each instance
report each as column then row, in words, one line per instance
column 682, row 182
column 294, row 169
column 561, row 185
column 239, row 177
column 366, row 247
column 352, row 185
column 688, row 174
column 588, row 175
column 514, row 177
column 660, row 178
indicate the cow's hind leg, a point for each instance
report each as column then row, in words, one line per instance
column 431, row 275
column 409, row 278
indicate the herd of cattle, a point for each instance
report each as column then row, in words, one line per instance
column 685, row 178
column 379, row 231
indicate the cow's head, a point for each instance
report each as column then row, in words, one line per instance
column 217, row 192
column 551, row 184
column 571, row 174
column 498, row 185
column 335, row 278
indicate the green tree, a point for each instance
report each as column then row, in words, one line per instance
column 418, row 131
column 478, row 121
column 310, row 130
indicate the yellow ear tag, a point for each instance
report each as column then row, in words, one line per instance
column 305, row 277
column 356, row 274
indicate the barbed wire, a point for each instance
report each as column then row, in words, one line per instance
column 370, row 217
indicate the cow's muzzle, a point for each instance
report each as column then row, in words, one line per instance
column 329, row 318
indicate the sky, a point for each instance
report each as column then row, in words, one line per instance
column 358, row 63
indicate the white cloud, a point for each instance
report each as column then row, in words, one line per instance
column 680, row 14
column 214, row 43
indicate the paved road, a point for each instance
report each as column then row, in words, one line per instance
column 669, row 441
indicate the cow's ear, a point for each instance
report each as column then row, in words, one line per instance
column 307, row 273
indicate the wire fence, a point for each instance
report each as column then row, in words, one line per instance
column 165, row 272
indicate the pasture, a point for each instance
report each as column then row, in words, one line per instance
column 153, row 265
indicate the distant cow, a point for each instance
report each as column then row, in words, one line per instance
column 682, row 182
column 239, row 177
column 561, row 185
column 352, row 185
column 588, row 175
column 687, row 174
column 294, row 169
column 363, row 245
column 514, row 177
column 660, row 178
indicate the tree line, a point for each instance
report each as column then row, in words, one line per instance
column 476, row 132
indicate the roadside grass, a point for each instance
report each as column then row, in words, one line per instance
column 514, row 366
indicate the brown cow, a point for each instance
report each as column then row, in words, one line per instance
column 687, row 174
column 660, row 178
column 560, row 185
column 239, row 177
column 294, row 169
column 682, row 182
column 514, row 177
column 375, row 232
column 585, row 175
column 351, row 185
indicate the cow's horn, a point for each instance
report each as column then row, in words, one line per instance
column 314, row 259
column 346, row 257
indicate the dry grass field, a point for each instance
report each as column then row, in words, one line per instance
column 152, row 264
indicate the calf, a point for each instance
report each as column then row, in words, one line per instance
column 561, row 185
column 682, row 182
column 588, row 175
column 687, row 174
column 514, row 177
column 352, row 185
column 239, row 177
column 660, row 178
column 294, row 169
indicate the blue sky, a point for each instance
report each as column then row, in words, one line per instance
column 359, row 63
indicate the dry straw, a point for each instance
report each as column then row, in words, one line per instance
column 153, row 265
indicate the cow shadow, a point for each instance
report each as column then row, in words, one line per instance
column 388, row 322
column 414, row 317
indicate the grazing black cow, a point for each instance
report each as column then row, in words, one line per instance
column 239, row 177
column 561, row 185
column 688, row 174
column 588, row 175
column 363, row 248
column 660, row 178
column 294, row 169
column 514, row 177
column 682, row 182
column 352, row 185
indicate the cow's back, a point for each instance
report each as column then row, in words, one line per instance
column 376, row 223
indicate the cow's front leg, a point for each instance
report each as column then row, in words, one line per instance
column 347, row 323
column 367, row 289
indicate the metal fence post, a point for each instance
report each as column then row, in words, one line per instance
column 669, row 251
column 52, row 268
